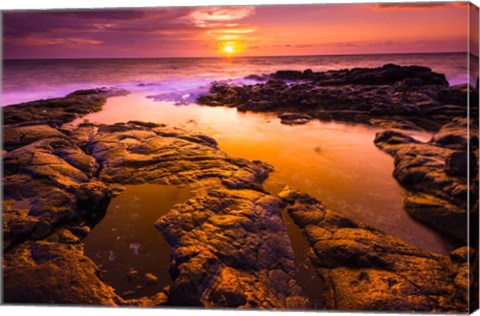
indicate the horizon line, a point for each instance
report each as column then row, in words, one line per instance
column 239, row 57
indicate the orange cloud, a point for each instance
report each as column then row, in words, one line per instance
column 234, row 31
column 208, row 17
column 39, row 41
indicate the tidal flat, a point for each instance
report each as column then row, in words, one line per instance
column 342, row 190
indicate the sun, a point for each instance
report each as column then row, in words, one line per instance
column 228, row 49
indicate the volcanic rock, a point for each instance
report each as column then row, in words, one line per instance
column 403, row 97
column 435, row 174
column 134, row 153
column 60, row 110
column 230, row 248
column 366, row 269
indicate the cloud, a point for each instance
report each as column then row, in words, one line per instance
column 22, row 24
column 217, row 16
column 42, row 41
column 246, row 30
column 102, row 24
column 227, row 37
column 336, row 44
column 98, row 14
column 223, row 24
column 156, row 30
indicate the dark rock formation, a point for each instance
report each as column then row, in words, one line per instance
column 435, row 174
column 366, row 269
column 387, row 75
column 60, row 110
column 231, row 249
column 44, row 272
column 263, row 77
column 294, row 118
column 137, row 152
column 47, row 183
column 412, row 97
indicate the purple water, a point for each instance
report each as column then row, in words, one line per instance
column 185, row 78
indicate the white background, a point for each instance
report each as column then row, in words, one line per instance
column 86, row 311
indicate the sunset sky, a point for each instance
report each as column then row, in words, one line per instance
column 241, row 31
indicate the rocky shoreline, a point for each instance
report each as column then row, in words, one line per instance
column 435, row 175
column 392, row 96
column 229, row 243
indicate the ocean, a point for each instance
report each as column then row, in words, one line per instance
column 183, row 79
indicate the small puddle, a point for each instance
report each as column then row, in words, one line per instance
column 126, row 245
column 305, row 273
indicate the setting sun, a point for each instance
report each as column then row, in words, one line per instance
column 228, row 49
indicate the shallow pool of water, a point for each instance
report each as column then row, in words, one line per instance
column 305, row 275
column 126, row 245
column 336, row 162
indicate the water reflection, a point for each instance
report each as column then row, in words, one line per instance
column 336, row 162
column 132, row 254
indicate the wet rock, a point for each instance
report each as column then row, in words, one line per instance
column 263, row 77
column 459, row 95
column 437, row 213
column 131, row 274
column 454, row 135
column 17, row 226
column 64, row 109
column 133, row 153
column 399, row 97
column 79, row 231
column 457, row 164
column 67, row 237
column 159, row 299
column 82, row 134
column 60, row 192
column 41, row 230
column 463, row 254
column 294, row 118
column 387, row 75
column 230, row 248
column 395, row 124
column 61, row 274
column 17, row 136
column 288, row 75
column 435, row 174
column 366, row 269
column 389, row 137
column 55, row 177
column 150, row 279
